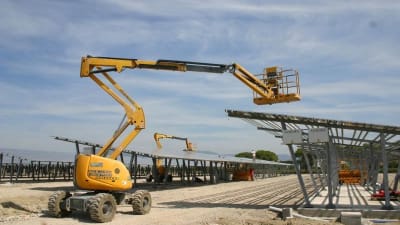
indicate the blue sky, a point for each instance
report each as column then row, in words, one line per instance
column 347, row 53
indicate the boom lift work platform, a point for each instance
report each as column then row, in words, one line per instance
column 106, row 180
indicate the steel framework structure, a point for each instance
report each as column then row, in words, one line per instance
column 215, row 166
column 366, row 145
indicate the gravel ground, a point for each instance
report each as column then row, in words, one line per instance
column 241, row 203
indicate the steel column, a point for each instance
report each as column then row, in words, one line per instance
column 212, row 178
column 310, row 170
column 298, row 173
column 329, row 176
column 322, row 174
column 387, row 205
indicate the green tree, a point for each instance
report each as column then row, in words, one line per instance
column 266, row 155
column 244, row 155
column 260, row 154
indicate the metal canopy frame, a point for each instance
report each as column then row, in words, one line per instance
column 184, row 161
column 364, row 143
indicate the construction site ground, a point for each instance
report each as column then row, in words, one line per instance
column 351, row 197
column 222, row 204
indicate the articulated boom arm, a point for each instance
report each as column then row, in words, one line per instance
column 272, row 87
column 158, row 136
column 275, row 85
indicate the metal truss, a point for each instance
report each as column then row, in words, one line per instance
column 366, row 145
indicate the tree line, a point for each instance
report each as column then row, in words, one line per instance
column 260, row 154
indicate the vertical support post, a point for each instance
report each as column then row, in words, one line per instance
column 398, row 174
column 69, row 170
column 374, row 168
column 334, row 166
column 370, row 164
column 322, row 167
column 263, row 171
column 155, row 170
column 212, row 178
column 318, row 168
column 64, row 170
column 225, row 171
column 376, row 171
column 298, row 173
column 12, row 169
column 39, row 167
column 48, row 170
column 397, row 177
column 202, row 170
column 1, row 165
column 300, row 178
column 134, row 166
column 310, row 170
column 183, row 170
column 188, row 171
column 131, row 163
column 361, row 159
column 195, row 169
column 387, row 205
column 179, row 169
column 56, row 170
column 19, row 169
column 330, row 183
column 77, row 147
column 166, row 172
column 33, row 170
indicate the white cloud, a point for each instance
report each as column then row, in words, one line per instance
column 371, row 86
column 291, row 8
column 346, row 53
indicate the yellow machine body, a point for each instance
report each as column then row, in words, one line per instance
column 99, row 173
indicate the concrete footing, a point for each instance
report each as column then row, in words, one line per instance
column 287, row 213
column 350, row 218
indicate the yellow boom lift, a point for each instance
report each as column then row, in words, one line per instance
column 159, row 162
column 158, row 136
column 105, row 179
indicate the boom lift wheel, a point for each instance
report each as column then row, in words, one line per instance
column 102, row 207
column 141, row 202
column 56, row 204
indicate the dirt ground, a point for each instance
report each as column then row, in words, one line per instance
column 241, row 203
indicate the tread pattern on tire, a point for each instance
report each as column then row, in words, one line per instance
column 55, row 200
column 95, row 207
column 141, row 202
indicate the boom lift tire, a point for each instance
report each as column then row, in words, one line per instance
column 56, row 204
column 141, row 202
column 102, row 207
